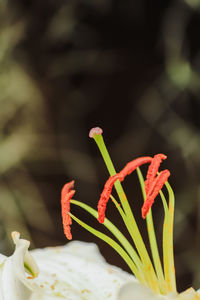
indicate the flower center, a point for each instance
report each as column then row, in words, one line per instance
column 159, row 276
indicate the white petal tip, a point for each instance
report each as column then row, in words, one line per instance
column 15, row 236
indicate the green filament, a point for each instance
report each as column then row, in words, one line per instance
column 152, row 239
column 131, row 223
column 110, row 242
column 117, row 233
column 168, row 251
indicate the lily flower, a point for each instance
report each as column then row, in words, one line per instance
column 155, row 278
column 77, row 271
column 69, row 272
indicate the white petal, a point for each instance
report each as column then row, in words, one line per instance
column 75, row 271
column 14, row 284
column 134, row 290
column 78, row 271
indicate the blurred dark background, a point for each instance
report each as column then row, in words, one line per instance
column 131, row 67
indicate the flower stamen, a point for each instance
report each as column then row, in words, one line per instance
column 153, row 169
column 154, row 189
column 105, row 195
column 127, row 170
column 66, row 195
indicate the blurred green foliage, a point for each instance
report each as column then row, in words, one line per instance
column 21, row 115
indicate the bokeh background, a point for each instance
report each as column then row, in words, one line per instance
column 131, row 67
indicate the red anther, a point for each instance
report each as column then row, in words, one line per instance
column 128, row 169
column 105, row 195
column 95, row 130
column 155, row 188
column 66, row 195
column 152, row 170
column 134, row 164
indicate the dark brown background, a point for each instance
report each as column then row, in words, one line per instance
column 131, row 67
